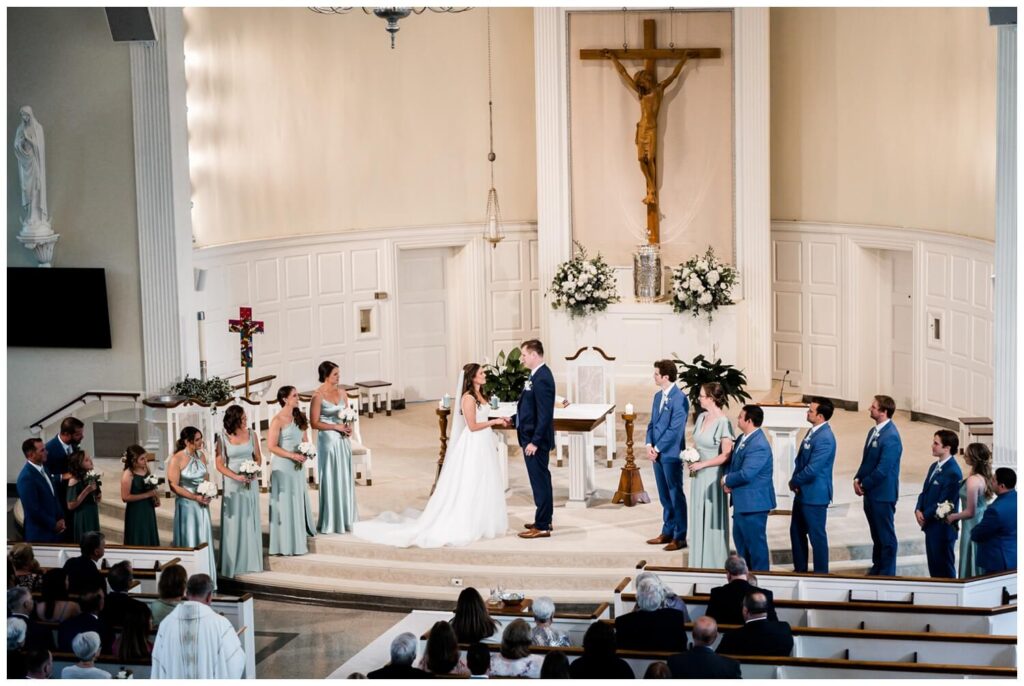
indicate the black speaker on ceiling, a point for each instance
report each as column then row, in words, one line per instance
column 1002, row 16
column 129, row 24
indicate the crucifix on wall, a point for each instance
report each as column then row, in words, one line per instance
column 650, row 92
column 245, row 326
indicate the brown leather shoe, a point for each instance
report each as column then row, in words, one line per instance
column 535, row 533
column 660, row 540
column 531, row 526
column 675, row 545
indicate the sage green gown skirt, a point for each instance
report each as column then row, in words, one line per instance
column 337, row 480
column 140, row 517
column 241, row 537
column 968, row 565
column 708, row 516
column 291, row 515
column 192, row 525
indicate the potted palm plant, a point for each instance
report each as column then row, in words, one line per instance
column 693, row 375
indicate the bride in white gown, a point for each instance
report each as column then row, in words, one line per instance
column 469, row 501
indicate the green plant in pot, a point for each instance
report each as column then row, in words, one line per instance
column 506, row 377
column 700, row 371
column 210, row 392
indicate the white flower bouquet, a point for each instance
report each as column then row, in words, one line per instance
column 307, row 450
column 943, row 509
column 690, row 455
column 348, row 416
column 702, row 284
column 207, row 489
column 93, row 476
column 250, row 469
column 583, row 287
column 152, row 481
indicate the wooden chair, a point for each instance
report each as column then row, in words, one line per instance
column 591, row 379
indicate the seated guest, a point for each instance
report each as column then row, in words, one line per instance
column 471, row 621
column 403, row 652
column 598, row 660
column 657, row 670
column 86, row 648
column 996, row 533
column 136, row 628
column 118, row 603
column 83, row 571
column 21, row 605
column 726, row 603
column 17, row 630
column 671, row 599
column 478, row 659
column 758, row 635
column 91, row 604
column 701, row 662
column 555, row 666
column 515, row 660
column 54, row 604
column 543, row 633
column 651, row 626
column 27, row 572
column 38, row 664
column 171, row 589
column 441, row 655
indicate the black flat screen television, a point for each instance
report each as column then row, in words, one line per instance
column 57, row 308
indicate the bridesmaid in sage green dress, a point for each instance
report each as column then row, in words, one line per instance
column 334, row 454
column 291, row 516
column 708, row 514
column 83, row 497
column 141, row 499
column 975, row 494
column 185, row 471
column 241, row 537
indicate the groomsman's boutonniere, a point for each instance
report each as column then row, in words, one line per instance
column 528, row 386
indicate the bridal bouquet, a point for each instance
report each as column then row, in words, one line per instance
column 690, row 455
column 348, row 416
column 250, row 469
column 306, row 450
column 943, row 509
column 207, row 489
column 582, row 287
column 702, row 284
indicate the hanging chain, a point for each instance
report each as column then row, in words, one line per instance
column 625, row 45
column 671, row 28
column 490, row 99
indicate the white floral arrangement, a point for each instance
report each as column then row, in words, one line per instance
column 151, row 480
column 348, row 416
column 125, row 673
column 702, row 284
column 943, row 509
column 207, row 489
column 307, row 450
column 249, row 468
column 690, row 455
column 583, row 287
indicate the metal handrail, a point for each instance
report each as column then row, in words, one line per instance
column 99, row 396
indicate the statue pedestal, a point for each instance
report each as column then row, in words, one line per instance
column 41, row 244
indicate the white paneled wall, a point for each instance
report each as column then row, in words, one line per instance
column 825, row 291
column 315, row 294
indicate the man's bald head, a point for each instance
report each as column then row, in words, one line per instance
column 705, row 631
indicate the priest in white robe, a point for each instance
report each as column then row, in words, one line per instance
column 194, row 642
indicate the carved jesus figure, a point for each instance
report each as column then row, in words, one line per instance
column 650, row 92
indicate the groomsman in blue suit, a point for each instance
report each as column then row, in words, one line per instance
column 666, row 437
column 812, row 485
column 44, row 515
column 941, row 484
column 996, row 533
column 750, row 482
column 535, row 429
column 58, row 449
column 878, row 482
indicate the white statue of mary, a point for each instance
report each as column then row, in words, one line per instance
column 30, row 149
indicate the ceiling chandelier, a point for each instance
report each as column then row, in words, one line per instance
column 390, row 14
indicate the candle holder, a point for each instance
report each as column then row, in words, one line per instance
column 631, row 486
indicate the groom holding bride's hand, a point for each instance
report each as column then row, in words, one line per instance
column 536, row 432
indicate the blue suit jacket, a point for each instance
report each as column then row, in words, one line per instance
column 812, row 473
column 41, row 505
column 56, row 457
column 996, row 535
column 667, row 430
column 945, row 486
column 536, row 411
column 879, row 471
column 750, row 475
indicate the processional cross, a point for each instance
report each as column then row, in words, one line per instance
column 645, row 84
column 245, row 326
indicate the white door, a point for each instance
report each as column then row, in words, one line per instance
column 423, row 322
column 902, row 333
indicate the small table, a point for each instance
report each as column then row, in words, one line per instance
column 374, row 390
column 975, row 426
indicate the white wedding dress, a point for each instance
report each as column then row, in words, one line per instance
column 467, row 505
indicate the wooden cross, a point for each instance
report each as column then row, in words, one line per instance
column 245, row 326
column 645, row 84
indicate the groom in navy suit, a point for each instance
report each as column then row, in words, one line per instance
column 58, row 449
column 535, row 429
column 878, row 482
column 666, row 437
column 44, row 514
column 750, row 482
column 811, row 484
column 942, row 484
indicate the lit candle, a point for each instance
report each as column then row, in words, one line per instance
column 629, row 408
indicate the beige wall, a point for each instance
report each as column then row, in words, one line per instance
column 63, row 63
column 301, row 123
column 694, row 139
column 885, row 117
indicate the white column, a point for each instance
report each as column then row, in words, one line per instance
column 162, row 193
column 1004, row 409
column 753, row 189
column 554, row 211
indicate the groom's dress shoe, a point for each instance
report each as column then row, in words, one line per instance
column 660, row 540
column 675, row 545
column 531, row 526
column 535, row 533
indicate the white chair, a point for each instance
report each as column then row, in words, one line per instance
column 591, row 379
column 361, row 455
